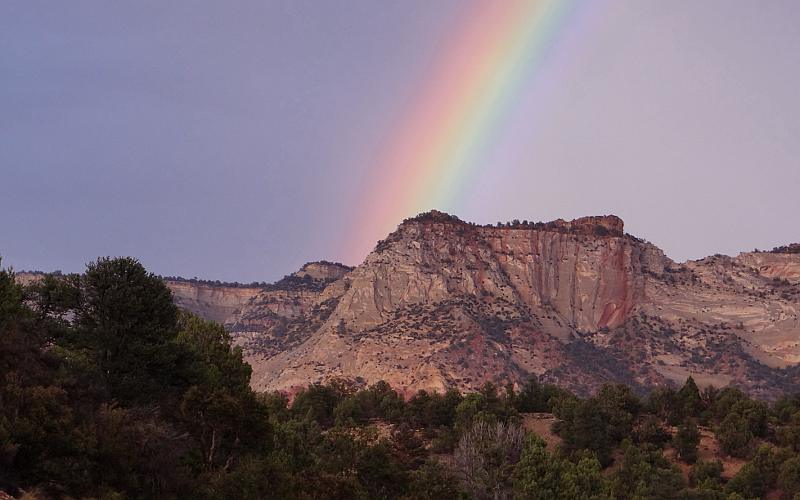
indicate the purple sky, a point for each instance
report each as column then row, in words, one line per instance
column 227, row 140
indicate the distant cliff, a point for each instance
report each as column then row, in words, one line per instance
column 441, row 302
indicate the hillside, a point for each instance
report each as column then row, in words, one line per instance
column 445, row 303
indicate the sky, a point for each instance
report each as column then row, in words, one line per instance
column 238, row 140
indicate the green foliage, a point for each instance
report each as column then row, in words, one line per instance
column 598, row 424
column 734, row 436
column 689, row 402
column 644, row 473
column 786, row 406
column 317, row 402
column 706, row 473
column 433, row 410
column 543, row 476
column 210, row 359
column 686, row 440
column 378, row 401
column 484, row 406
column 789, row 434
column 107, row 391
column 758, row 476
column 652, row 431
column 433, row 481
column 662, row 403
column 535, row 397
column 789, row 477
column 125, row 324
column 754, row 413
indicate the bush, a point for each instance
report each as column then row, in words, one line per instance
column 485, row 458
column 734, row 436
column 703, row 472
column 789, row 477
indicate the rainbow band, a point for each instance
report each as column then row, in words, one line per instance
column 497, row 47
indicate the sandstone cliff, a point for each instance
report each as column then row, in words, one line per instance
column 219, row 303
column 441, row 302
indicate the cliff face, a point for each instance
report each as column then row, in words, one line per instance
column 217, row 303
column 588, row 281
column 246, row 308
column 443, row 303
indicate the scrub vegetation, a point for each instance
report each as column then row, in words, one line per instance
column 108, row 391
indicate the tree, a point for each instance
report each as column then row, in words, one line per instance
column 689, row 400
column 535, row 397
column 757, row 476
column 734, row 436
column 789, row 434
column 543, row 476
column 219, row 409
column 486, row 456
column 211, row 360
column 484, row 406
column 379, row 400
column 40, row 435
column 650, row 430
column 686, row 441
column 597, row 424
column 433, row 481
column 645, row 473
column 317, row 402
column 126, row 322
column 705, row 472
column 662, row 403
column 789, row 477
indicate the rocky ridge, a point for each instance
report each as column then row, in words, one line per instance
column 441, row 302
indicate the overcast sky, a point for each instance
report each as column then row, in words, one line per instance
column 228, row 140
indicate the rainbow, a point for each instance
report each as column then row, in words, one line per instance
column 431, row 154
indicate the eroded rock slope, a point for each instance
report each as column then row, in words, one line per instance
column 441, row 302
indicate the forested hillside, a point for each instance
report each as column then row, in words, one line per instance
column 107, row 390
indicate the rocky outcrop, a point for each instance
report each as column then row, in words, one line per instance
column 442, row 303
column 588, row 281
column 254, row 307
column 219, row 303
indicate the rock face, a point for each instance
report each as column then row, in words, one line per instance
column 215, row 302
column 253, row 307
column 444, row 303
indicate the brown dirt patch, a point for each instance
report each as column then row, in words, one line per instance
column 541, row 424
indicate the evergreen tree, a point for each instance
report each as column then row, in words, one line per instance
column 686, row 441
column 126, row 323
column 689, row 400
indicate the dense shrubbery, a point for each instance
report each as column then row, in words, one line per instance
column 108, row 391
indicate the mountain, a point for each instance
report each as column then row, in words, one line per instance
column 445, row 303
column 441, row 302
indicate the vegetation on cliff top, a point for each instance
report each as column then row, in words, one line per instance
column 108, row 391
column 288, row 282
column 791, row 248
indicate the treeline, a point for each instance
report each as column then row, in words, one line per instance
column 791, row 248
column 216, row 283
column 436, row 216
column 108, row 391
